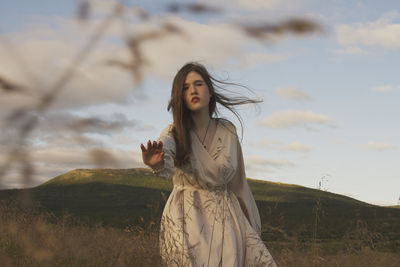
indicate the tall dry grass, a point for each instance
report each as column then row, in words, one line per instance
column 32, row 238
column 29, row 238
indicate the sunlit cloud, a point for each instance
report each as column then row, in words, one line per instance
column 50, row 161
column 49, row 47
column 351, row 50
column 292, row 93
column 384, row 33
column 338, row 142
column 294, row 118
column 256, row 5
column 258, row 164
column 250, row 60
column 297, row 147
column 383, row 88
column 379, row 146
column 268, row 143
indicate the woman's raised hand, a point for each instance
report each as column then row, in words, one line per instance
column 153, row 155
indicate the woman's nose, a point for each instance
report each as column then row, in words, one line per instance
column 193, row 89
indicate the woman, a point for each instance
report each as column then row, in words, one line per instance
column 210, row 218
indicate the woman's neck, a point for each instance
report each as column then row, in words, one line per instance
column 201, row 120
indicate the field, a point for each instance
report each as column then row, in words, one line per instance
column 109, row 217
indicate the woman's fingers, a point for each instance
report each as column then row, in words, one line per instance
column 143, row 148
column 148, row 145
column 160, row 144
column 152, row 146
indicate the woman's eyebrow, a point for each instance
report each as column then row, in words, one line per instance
column 194, row 82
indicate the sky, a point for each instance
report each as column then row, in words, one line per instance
column 329, row 118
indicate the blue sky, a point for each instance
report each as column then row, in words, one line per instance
column 330, row 99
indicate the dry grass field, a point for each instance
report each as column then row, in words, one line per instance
column 29, row 238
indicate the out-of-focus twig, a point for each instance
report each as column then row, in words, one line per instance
column 84, row 8
column 134, row 43
column 10, row 87
column 19, row 60
column 28, row 118
column 297, row 26
column 54, row 90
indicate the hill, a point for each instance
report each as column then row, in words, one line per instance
column 135, row 197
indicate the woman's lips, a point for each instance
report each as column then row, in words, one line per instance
column 195, row 99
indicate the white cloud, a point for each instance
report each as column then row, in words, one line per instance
column 48, row 51
column 50, row 161
column 379, row 146
column 259, row 164
column 297, row 147
column 260, row 4
column 351, row 50
column 275, row 144
column 49, row 47
column 292, row 93
column 381, row 33
column 268, row 142
column 383, row 88
column 250, row 60
column 264, row 5
column 294, row 118
column 338, row 142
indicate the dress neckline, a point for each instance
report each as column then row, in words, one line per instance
column 213, row 138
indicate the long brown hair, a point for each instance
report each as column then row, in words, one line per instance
column 181, row 114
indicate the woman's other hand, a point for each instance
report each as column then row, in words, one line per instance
column 153, row 155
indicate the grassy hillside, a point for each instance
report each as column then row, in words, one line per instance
column 126, row 197
column 140, row 177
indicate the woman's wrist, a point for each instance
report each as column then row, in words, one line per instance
column 158, row 166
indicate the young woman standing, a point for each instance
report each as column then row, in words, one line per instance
column 210, row 218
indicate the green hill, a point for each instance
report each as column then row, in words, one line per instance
column 141, row 177
column 127, row 197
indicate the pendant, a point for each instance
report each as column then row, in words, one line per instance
column 204, row 146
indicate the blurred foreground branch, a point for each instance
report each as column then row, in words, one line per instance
column 26, row 119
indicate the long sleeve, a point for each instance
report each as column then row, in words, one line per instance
column 169, row 149
column 241, row 189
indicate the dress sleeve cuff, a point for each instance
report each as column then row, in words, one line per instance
column 168, row 170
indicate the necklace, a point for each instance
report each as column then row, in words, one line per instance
column 202, row 142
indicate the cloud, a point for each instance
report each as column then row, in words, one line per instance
column 268, row 143
column 64, row 128
column 297, row 147
column 338, row 141
column 257, row 4
column 263, row 5
column 259, row 164
column 51, row 161
column 351, row 50
column 294, row 118
column 250, row 60
column 62, row 121
column 379, row 146
column 292, row 93
column 275, row 144
column 49, row 47
column 212, row 43
column 384, row 88
column 383, row 33
column 48, row 51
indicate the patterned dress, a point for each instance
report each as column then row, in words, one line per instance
column 210, row 218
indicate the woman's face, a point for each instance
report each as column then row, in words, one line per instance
column 195, row 92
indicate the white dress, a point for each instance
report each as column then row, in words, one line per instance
column 210, row 218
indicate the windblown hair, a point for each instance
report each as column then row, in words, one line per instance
column 182, row 119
